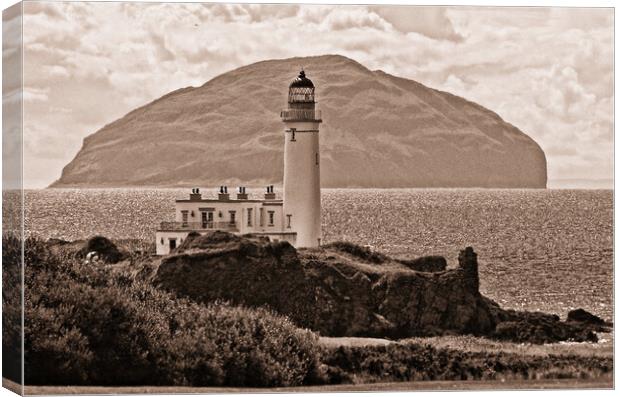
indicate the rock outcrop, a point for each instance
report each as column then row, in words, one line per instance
column 346, row 290
column 582, row 316
column 379, row 130
column 426, row 264
column 104, row 248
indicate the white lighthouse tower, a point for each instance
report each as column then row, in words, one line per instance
column 302, row 177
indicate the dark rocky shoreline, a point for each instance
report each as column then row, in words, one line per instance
column 342, row 289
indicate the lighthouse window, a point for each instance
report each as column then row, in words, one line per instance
column 317, row 158
column 232, row 217
column 288, row 220
column 271, row 218
column 293, row 134
column 249, row 216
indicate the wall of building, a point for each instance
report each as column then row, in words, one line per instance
column 222, row 214
column 162, row 240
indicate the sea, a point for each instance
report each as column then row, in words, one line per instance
column 538, row 249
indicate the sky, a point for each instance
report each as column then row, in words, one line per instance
column 548, row 71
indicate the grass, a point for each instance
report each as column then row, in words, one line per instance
column 469, row 343
column 547, row 384
column 362, row 361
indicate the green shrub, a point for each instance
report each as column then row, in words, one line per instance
column 11, row 308
column 91, row 325
column 415, row 362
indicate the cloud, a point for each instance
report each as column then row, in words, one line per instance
column 49, row 10
column 558, row 150
column 547, row 71
column 57, row 71
column 35, row 95
column 265, row 12
column 342, row 19
column 162, row 51
column 432, row 22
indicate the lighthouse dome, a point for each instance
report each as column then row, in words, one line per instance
column 301, row 91
column 301, row 81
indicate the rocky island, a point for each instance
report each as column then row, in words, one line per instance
column 380, row 131
column 342, row 289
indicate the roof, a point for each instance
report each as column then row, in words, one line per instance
column 301, row 81
column 231, row 201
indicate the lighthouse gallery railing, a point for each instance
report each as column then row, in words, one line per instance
column 300, row 115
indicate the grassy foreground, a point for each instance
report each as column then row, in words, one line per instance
column 469, row 343
column 100, row 329
column 548, row 384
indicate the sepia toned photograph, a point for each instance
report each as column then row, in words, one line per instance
column 220, row 197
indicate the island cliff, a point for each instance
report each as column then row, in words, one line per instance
column 379, row 131
column 342, row 289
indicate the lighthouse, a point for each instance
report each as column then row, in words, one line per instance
column 296, row 218
column 302, row 177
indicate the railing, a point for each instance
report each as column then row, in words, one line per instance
column 228, row 226
column 301, row 115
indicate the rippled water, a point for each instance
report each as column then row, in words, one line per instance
column 546, row 250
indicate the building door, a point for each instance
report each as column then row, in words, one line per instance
column 173, row 243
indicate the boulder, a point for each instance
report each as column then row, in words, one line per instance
column 426, row 264
column 582, row 316
column 106, row 250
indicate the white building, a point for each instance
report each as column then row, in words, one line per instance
column 296, row 218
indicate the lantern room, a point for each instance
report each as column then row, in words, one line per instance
column 301, row 92
column 301, row 101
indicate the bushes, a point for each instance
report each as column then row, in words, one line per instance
column 415, row 362
column 11, row 308
column 89, row 325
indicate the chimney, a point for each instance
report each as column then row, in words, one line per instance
column 195, row 195
column 269, row 194
column 223, row 194
column 242, row 195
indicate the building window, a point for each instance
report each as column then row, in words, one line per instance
column 233, row 216
column 293, row 134
column 207, row 220
column 184, row 218
column 271, row 217
column 317, row 158
column 249, row 216
column 288, row 220
column 261, row 215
